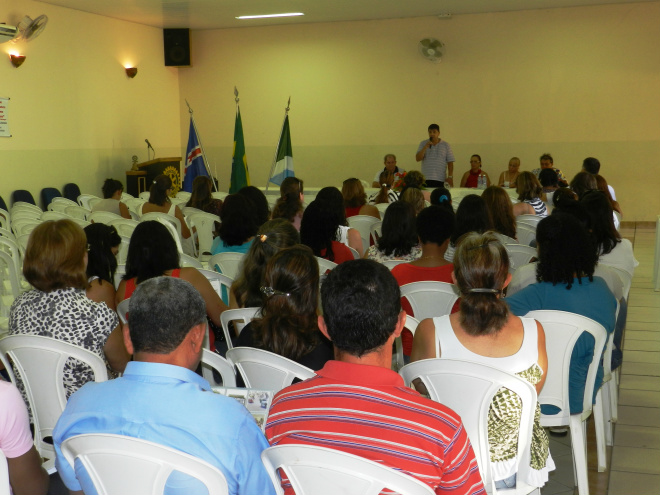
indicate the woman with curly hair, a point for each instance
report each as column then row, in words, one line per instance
column 271, row 237
column 530, row 195
column 355, row 199
column 289, row 321
column 112, row 190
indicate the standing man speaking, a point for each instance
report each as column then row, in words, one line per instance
column 437, row 159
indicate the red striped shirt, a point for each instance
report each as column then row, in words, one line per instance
column 369, row 412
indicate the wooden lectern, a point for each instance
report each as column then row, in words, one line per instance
column 140, row 180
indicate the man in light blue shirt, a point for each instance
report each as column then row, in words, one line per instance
column 161, row 399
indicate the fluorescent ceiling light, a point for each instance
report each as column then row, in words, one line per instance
column 290, row 14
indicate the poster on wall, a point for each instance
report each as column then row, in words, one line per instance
column 4, row 117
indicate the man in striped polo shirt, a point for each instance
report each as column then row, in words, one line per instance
column 357, row 404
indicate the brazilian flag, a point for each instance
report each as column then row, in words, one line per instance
column 240, row 177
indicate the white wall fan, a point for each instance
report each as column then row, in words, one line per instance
column 431, row 49
column 26, row 30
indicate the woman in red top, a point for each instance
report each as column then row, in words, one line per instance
column 318, row 230
column 471, row 177
column 355, row 199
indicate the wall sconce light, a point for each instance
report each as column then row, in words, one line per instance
column 16, row 59
column 131, row 72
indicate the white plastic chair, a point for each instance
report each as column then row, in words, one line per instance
column 240, row 317
column 469, row 388
column 124, row 226
column 103, row 217
column 227, row 263
column 122, row 310
column 185, row 246
column 183, row 196
column 519, row 255
column 392, row 263
column 266, row 370
column 144, row 195
column 119, row 273
column 213, row 361
column 77, row 212
column 122, row 254
column 118, row 464
column 530, row 220
column 54, row 215
column 190, row 261
column 397, row 358
column 376, row 231
column 625, row 277
column 354, row 252
column 430, row 299
column 221, row 283
column 363, row 223
column 83, row 200
column 23, row 206
column 60, row 203
column 24, row 226
column 40, row 364
column 316, row 470
column 525, row 234
column 325, row 265
column 134, row 205
column 189, row 210
column 382, row 207
column 205, row 224
column 219, row 194
column 5, row 219
column 565, row 328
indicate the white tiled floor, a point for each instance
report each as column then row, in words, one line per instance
column 634, row 461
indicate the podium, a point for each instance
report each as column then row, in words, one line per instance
column 138, row 181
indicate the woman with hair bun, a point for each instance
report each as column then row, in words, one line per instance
column 289, row 322
column 112, row 190
column 271, row 237
column 159, row 202
column 484, row 331
column 290, row 204
column 385, row 194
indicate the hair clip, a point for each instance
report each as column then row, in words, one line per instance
column 262, row 237
column 485, row 291
column 485, row 244
column 443, row 198
column 269, row 292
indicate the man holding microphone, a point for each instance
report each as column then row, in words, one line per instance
column 437, row 159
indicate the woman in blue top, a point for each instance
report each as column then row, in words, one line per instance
column 565, row 282
column 239, row 224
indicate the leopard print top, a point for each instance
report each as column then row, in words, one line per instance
column 67, row 315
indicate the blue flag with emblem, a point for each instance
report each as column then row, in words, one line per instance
column 194, row 159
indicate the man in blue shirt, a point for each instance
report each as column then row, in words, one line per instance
column 161, row 399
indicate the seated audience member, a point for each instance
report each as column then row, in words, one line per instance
column 331, row 199
column 26, row 476
column 565, row 282
column 159, row 202
column 592, row 165
column 161, row 399
column 202, row 199
column 239, row 224
column 319, row 229
column 385, row 193
column 601, row 184
column 530, row 195
column 355, row 200
column 398, row 240
column 102, row 247
column 112, row 191
column 582, row 183
column 290, row 204
column 508, row 177
column 500, row 208
column 57, row 307
column 435, row 225
column 549, row 182
column 471, row 177
column 261, row 208
column 484, row 331
column 546, row 161
column 442, row 197
column 289, row 324
column 415, row 179
column 271, row 237
column 152, row 253
column 358, row 405
column 390, row 167
column 472, row 215
column 563, row 195
column 415, row 198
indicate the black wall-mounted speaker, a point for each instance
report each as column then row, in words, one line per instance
column 176, row 44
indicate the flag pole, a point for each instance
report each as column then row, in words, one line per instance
column 201, row 146
column 272, row 167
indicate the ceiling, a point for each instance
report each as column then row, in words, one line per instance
column 217, row 14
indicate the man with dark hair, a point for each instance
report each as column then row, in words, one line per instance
column 592, row 165
column 547, row 161
column 161, row 399
column 437, row 159
column 357, row 404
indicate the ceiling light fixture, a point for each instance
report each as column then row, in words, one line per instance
column 290, row 14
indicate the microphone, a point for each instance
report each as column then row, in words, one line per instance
column 149, row 145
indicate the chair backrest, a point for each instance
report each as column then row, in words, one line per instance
column 429, row 299
column 362, row 223
column 531, row 220
column 103, row 217
column 469, row 388
column 77, row 212
column 124, row 226
column 172, row 224
column 10, row 258
column 144, row 195
column 376, row 231
column 354, row 252
column 240, row 317
column 397, row 357
column 381, row 208
column 190, row 261
column 47, row 195
column 565, row 328
column 71, row 191
column 58, row 203
column 625, row 277
column 183, row 195
column 227, row 263
column 213, row 361
column 205, row 225
column 325, row 265
column 22, row 195
column 54, row 215
column 221, row 283
column 519, row 255
column 266, row 370
column 40, row 364
column 5, row 219
column 189, row 210
column 316, row 470
column 525, row 234
column 21, row 213
column 83, row 200
column 24, row 226
column 118, row 464
column 122, row 310
column 392, row 263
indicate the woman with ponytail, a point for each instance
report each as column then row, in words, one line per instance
column 290, row 205
column 289, row 322
column 484, row 331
